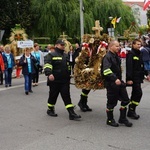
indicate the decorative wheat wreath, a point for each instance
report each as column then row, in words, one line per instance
column 17, row 34
column 88, row 65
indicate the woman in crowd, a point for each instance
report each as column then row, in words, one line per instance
column 71, row 58
column 40, row 62
column 2, row 68
column 27, row 61
column 9, row 64
column 145, row 50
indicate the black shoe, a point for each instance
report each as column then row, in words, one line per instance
column 6, row 85
column 125, row 122
column 112, row 123
column 9, row 85
column 31, row 91
column 133, row 115
column 51, row 112
column 26, row 93
column 82, row 108
column 72, row 114
column 123, row 119
column 88, row 108
column 33, row 85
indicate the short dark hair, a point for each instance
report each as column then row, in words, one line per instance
column 36, row 44
column 136, row 40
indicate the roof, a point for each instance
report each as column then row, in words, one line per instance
column 134, row 3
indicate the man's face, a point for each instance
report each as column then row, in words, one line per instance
column 61, row 46
column 137, row 45
column 1, row 48
column 27, row 52
column 77, row 45
column 115, row 47
column 48, row 47
column 37, row 47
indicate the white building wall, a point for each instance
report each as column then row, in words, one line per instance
column 139, row 14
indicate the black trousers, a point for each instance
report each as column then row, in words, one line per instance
column 63, row 89
column 136, row 93
column 115, row 93
column 1, row 77
column 72, row 67
column 35, row 77
column 86, row 91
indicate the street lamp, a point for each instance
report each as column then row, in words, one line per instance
column 81, row 19
column 111, row 29
column 1, row 34
column 110, row 17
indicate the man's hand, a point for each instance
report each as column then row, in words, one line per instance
column 130, row 82
column 118, row 82
column 51, row 77
column 25, row 60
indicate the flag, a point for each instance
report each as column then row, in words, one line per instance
column 118, row 19
column 146, row 4
column 113, row 22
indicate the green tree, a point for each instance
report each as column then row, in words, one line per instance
column 103, row 9
column 53, row 17
column 148, row 20
column 14, row 12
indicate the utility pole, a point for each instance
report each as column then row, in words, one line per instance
column 81, row 19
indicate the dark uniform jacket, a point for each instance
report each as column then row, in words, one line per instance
column 134, row 66
column 57, row 63
column 111, row 68
column 24, row 65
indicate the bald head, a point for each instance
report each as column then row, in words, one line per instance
column 111, row 43
column 114, row 46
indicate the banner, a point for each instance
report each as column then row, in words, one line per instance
column 118, row 19
column 25, row 44
column 113, row 22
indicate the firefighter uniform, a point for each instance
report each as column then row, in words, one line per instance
column 83, row 101
column 111, row 70
column 56, row 63
column 135, row 73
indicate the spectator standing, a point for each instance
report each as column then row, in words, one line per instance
column 71, row 58
column 56, row 69
column 123, row 52
column 52, row 49
column 2, row 68
column 9, row 64
column 77, row 50
column 46, row 49
column 1, row 64
column 39, row 65
column 27, row 61
column 18, row 69
column 145, row 51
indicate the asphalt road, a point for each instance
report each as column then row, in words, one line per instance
column 24, row 124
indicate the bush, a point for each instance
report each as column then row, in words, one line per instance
column 41, row 40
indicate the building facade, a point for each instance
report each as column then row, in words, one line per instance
column 138, row 12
